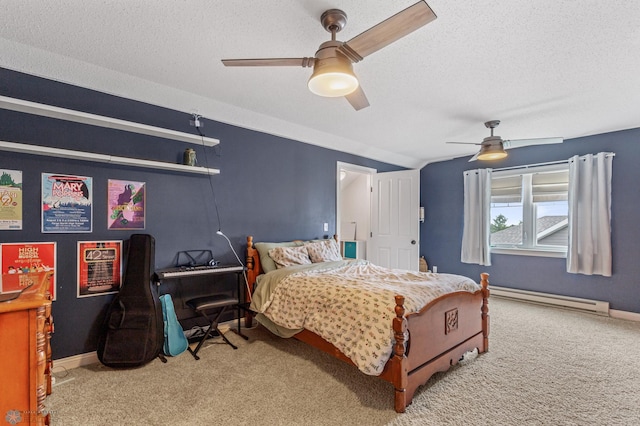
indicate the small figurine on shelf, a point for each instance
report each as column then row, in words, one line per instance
column 189, row 158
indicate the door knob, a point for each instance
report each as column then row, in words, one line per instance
column 413, row 242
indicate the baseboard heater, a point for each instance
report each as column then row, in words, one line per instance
column 594, row 306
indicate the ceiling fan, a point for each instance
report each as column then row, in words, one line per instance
column 493, row 147
column 333, row 74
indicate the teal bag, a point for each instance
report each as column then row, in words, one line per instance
column 175, row 341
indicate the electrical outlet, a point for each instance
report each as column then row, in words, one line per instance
column 325, row 227
column 435, row 269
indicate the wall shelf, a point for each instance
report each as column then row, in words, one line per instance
column 50, row 111
column 102, row 158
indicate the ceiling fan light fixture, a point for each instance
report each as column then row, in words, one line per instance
column 492, row 152
column 333, row 77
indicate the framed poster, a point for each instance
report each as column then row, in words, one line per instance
column 10, row 199
column 67, row 203
column 126, row 201
column 99, row 267
column 28, row 263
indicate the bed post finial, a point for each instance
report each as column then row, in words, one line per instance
column 484, row 282
column 249, row 262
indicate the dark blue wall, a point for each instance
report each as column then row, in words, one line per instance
column 441, row 234
column 270, row 187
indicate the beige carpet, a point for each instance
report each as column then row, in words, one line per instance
column 546, row 366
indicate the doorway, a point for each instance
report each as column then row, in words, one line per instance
column 353, row 206
column 377, row 215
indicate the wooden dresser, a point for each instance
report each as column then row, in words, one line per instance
column 25, row 356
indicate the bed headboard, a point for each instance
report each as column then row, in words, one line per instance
column 253, row 261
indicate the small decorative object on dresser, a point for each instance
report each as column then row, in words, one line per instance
column 25, row 354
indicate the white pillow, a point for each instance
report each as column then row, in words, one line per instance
column 323, row 251
column 287, row 256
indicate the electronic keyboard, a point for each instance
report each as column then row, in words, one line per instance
column 187, row 271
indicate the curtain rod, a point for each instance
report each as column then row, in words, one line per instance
column 548, row 163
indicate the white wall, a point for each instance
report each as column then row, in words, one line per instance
column 355, row 204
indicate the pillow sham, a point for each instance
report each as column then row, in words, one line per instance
column 287, row 256
column 323, row 251
column 266, row 261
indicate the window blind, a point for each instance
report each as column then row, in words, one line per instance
column 506, row 189
column 550, row 186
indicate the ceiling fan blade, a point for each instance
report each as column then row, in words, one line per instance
column 465, row 143
column 475, row 157
column 358, row 99
column 388, row 31
column 527, row 142
column 269, row 62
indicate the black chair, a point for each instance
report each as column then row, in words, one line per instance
column 216, row 305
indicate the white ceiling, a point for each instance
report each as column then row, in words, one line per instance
column 544, row 68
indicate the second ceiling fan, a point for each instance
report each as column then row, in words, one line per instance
column 493, row 147
column 333, row 74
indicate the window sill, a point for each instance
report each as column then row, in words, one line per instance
column 529, row 252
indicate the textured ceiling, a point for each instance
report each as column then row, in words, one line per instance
column 544, row 68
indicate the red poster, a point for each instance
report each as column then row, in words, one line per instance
column 99, row 267
column 28, row 263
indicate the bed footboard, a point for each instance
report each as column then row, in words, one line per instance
column 439, row 335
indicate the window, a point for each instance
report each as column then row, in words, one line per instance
column 529, row 211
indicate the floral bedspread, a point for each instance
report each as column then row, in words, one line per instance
column 350, row 303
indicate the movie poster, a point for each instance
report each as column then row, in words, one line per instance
column 67, row 203
column 10, row 199
column 99, row 267
column 24, row 264
column 126, row 201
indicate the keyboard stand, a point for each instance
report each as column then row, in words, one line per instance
column 185, row 272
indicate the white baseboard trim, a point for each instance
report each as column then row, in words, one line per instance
column 625, row 315
column 89, row 358
column 75, row 361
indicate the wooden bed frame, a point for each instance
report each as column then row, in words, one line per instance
column 439, row 334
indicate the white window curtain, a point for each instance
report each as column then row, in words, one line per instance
column 589, row 250
column 477, row 209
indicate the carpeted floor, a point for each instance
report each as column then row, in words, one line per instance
column 546, row 366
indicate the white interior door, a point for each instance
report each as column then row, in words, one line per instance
column 395, row 210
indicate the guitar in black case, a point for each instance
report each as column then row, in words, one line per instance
column 133, row 330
